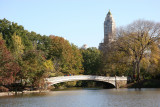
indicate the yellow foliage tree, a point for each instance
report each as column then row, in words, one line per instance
column 18, row 47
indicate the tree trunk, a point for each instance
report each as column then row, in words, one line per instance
column 138, row 73
column 134, row 70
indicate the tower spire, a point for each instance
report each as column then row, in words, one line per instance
column 109, row 12
column 109, row 31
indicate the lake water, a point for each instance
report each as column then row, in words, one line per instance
column 86, row 98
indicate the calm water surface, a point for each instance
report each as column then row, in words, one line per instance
column 86, row 98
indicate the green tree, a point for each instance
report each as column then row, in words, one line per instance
column 77, row 60
column 8, row 29
column 33, row 69
column 92, row 61
column 4, row 29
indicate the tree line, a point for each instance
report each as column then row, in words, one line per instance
column 26, row 58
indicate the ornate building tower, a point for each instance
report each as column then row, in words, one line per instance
column 109, row 31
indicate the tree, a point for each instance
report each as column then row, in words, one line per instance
column 77, row 60
column 8, row 29
column 50, row 67
column 33, row 69
column 114, row 61
column 66, row 58
column 137, row 40
column 44, row 44
column 8, row 66
column 18, row 47
column 4, row 29
column 92, row 61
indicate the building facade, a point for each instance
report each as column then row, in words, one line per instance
column 109, row 31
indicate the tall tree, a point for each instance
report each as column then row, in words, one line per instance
column 8, row 66
column 114, row 61
column 137, row 40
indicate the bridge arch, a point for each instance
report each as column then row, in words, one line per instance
column 112, row 80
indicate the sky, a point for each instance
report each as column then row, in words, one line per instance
column 78, row 21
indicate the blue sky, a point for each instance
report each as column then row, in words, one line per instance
column 79, row 21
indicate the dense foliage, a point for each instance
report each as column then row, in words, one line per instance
column 66, row 57
column 8, row 66
column 92, row 61
column 26, row 58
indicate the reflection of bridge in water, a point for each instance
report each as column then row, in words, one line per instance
column 116, row 81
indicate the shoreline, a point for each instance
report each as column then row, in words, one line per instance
column 19, row 92
column 144, row 84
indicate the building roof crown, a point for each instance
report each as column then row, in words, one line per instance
column 109, row 16
column 109, row 13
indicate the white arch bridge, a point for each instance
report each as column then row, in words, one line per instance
column 116, row 81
